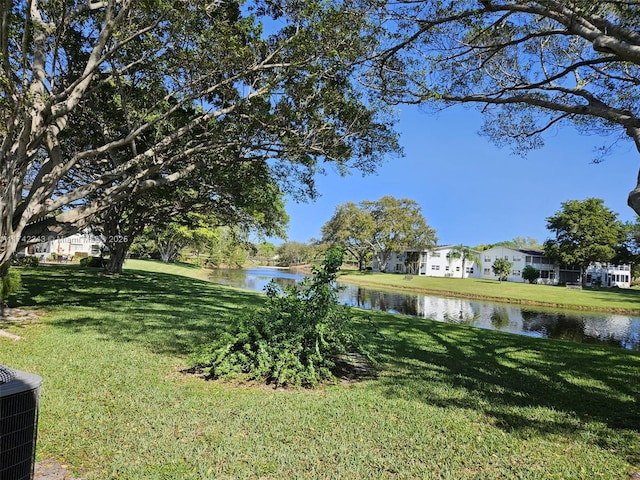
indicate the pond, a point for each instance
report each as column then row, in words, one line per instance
column 588, row 327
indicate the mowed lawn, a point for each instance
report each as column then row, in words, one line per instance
column 449, row 401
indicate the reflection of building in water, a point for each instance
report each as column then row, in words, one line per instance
column 458, row 310
column 616, row 328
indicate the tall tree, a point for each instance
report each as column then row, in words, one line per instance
column 240, row 194
column 295, row 253
column 352, row 228
column 228, row 246
column 586, row 231
column 398, row 225
column 530, row 66
column 182, row 77
column 381, row 227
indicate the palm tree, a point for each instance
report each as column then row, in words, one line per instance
column 466, row 254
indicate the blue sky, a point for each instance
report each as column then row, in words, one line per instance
column 471, row 191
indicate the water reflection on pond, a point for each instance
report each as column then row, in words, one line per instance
column 617, row 330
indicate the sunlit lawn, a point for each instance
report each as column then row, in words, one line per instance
column 607, row 299
column 448, row 402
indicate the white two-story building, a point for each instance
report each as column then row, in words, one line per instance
column 598, row 274
column 443, row 262
column 437, row 262
column 520, row 258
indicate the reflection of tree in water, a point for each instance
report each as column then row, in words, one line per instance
column 499, row 317
column 361, row 298
column 405, row 304
column 409, row 306
column 285, row 282
column 559, row 325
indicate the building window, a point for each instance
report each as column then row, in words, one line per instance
column 487, row 271
column 515, row 273
column 457, row 269
column 487, row 259
column 544, row 273
column 446, row 268
column 435, row 267
column 436, row 255
column 469, row 270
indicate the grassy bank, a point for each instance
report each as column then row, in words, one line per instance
column 448, row 402
column 606, row 300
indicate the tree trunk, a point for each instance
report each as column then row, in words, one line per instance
column 117, row 256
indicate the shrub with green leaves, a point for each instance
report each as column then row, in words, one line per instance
column 530, row 273
column 294, row 339
column 10, row 283
column 92, row 262
column 26, row 261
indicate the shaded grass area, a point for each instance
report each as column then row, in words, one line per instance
column 449, row 401
column 608, row 300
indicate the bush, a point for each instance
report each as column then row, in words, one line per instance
column 294, row 339
column 530, row 273
column 95, row 262
column 26, row 261
column 9, row 286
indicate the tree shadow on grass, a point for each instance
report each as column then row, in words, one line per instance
column 167, row 313
column 524, row 384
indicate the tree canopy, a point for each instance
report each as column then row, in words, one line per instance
column 352, row 228
column 586, row 231
column 530, row 66
column 382, row 226
column 103, row 99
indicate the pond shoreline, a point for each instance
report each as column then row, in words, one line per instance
column 489, row 298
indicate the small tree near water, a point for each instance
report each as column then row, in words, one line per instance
column 294, row 339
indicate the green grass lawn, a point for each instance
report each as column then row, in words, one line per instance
column 449, row 401
column 605, row 299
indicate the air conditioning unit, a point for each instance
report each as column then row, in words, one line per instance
column 19, row 404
